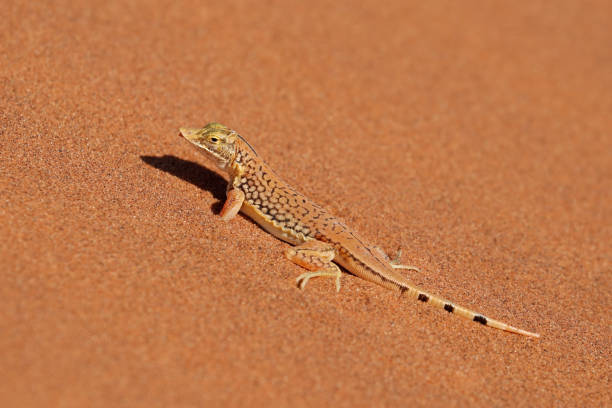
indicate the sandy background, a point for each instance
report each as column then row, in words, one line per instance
column 474, row 135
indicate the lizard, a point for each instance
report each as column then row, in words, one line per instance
column 320, row 240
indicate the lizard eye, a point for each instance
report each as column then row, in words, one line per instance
column 213, row 140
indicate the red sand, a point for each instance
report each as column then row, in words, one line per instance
column 476, row 137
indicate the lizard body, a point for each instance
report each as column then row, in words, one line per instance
column 319, row 238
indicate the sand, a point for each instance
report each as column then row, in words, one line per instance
column 473, row 135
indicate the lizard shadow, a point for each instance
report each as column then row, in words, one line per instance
column 193, row 173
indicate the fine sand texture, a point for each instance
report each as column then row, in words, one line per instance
column 476, row 136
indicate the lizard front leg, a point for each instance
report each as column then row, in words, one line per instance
column 316, row 256
column 232, row 205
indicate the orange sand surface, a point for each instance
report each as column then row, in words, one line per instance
column 474, row 135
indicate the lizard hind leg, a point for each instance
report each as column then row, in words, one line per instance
column 395, row 262
column 316, row 256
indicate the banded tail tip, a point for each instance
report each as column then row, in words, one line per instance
column 523, row 332
column 503, row 326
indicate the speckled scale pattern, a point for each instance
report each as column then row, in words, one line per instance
column 275, row 200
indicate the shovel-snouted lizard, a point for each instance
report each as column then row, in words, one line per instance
column 318, row 236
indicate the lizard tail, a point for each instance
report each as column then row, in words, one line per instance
column 387, row 277
column 450, row 307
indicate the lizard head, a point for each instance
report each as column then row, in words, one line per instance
column 215, row 141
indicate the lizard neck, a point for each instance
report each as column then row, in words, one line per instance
column 245, row 160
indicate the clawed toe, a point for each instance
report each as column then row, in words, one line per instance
column 303, row 279
column 409, row 267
